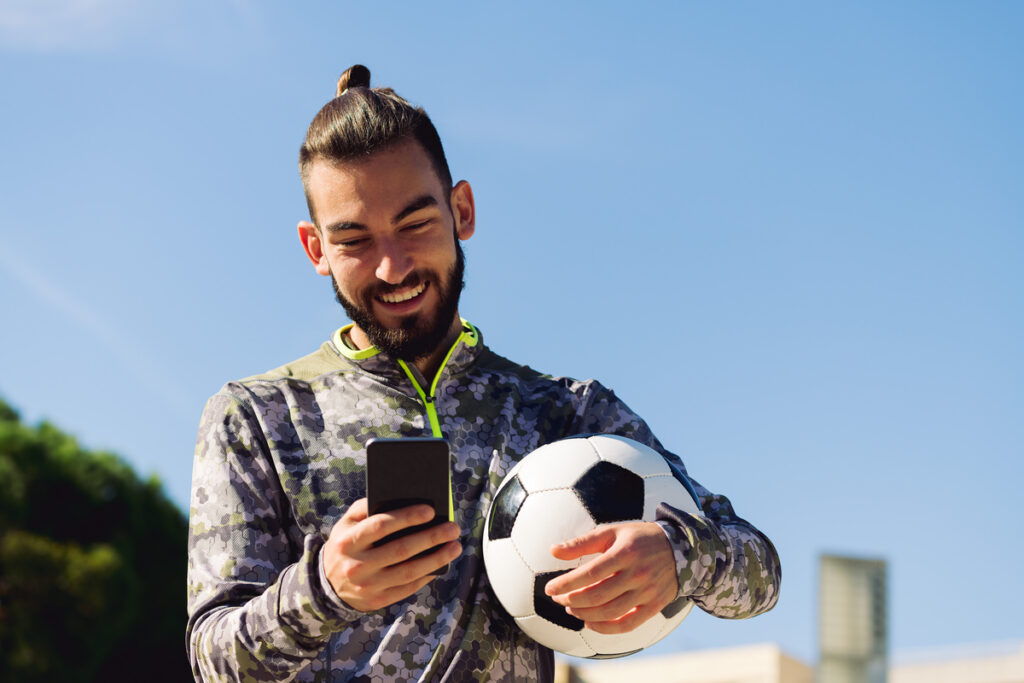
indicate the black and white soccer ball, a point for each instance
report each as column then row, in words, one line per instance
column 563, row 490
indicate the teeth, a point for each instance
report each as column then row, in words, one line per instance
column 399, row 297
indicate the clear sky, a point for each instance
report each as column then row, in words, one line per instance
column 788, row 234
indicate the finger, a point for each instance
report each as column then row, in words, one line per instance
column 608, row 611
column 599, row 593
column 375, row 527
column 598, row 569
column 627, row 622
column 402, row 549
column 390, row 596
column 595, row 541
column 413, row 570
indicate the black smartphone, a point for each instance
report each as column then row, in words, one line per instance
column 409, row 471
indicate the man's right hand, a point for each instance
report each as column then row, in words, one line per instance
column 369, row 578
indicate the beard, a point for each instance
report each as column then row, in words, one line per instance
column 418, row 335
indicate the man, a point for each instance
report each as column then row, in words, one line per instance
column 284, row 580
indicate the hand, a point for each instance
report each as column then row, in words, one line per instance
column 369, row 578
column 632, row 579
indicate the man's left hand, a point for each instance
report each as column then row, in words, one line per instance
column 631, row 580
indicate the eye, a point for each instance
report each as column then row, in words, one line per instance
column 354, row 243
column 416, row 226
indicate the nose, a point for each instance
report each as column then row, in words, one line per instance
column 395, row 263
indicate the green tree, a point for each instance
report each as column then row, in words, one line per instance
column 92, row 564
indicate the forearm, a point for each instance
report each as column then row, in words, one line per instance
column 726, row 566
column 269, row 637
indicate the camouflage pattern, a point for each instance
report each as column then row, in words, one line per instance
column 280, row 457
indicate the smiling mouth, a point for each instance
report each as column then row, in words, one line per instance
column 403, row 295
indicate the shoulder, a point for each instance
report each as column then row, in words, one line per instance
column 500, row 369
column 323, row 361
column 284, row 384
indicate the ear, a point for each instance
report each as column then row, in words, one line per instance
column 309, row 235
column 463, row 209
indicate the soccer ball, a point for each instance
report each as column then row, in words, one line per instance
column 563, row 490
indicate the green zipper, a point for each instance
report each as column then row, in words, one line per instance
column 469, row 337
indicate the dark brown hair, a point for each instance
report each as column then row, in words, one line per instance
column 360, row 121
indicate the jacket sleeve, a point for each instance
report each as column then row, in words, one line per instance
column 257, row 608
column 723, row 563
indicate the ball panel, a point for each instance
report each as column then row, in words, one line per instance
column 509, row 576
column 556, row 466
column 504, row 508
column 624, row 643
column 555, row 637
column 632, row 455
column 611, row 493
column 670, row 624
column 665, row 489
column 544, row 606
column 673, row 609
column 545, row 519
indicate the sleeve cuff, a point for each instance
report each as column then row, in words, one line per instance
column 693, row 553
column 304, row 607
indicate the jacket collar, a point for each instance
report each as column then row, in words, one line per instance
column 463, row 352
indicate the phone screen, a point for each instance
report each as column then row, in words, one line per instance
column 409, row 471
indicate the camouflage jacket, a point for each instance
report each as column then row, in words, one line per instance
column 280, row 457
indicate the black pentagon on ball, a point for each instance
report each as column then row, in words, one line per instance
column 672, row 608
column 504, row 509
column 611, row 493
column 544, row 606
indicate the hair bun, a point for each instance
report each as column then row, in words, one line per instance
column 357, row 76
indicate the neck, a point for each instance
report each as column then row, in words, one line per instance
column 429, row 365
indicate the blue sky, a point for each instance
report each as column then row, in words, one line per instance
column 789, row 235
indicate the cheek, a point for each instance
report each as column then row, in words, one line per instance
column 346, row 278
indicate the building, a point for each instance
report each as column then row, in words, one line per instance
column 989, row 663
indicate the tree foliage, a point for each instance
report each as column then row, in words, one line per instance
column 92, row 564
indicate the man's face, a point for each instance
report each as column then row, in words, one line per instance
column 388, row 236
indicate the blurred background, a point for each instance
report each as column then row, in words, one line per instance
column 788, row 235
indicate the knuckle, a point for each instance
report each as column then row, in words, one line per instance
column 377, row 525
column 404, row 547
column 344, row 544
column 350, row 571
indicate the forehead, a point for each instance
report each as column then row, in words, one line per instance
column 375, row 187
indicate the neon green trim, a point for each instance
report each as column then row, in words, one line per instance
column 352, row 354
column 469, row 334
column 469, row 337
column 465, row 334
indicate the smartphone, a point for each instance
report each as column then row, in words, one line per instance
column 409, row 471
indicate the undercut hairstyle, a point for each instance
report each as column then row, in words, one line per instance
column 361, row 121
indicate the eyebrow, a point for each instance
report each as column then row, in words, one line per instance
column 414, row 206
column 410, row 208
